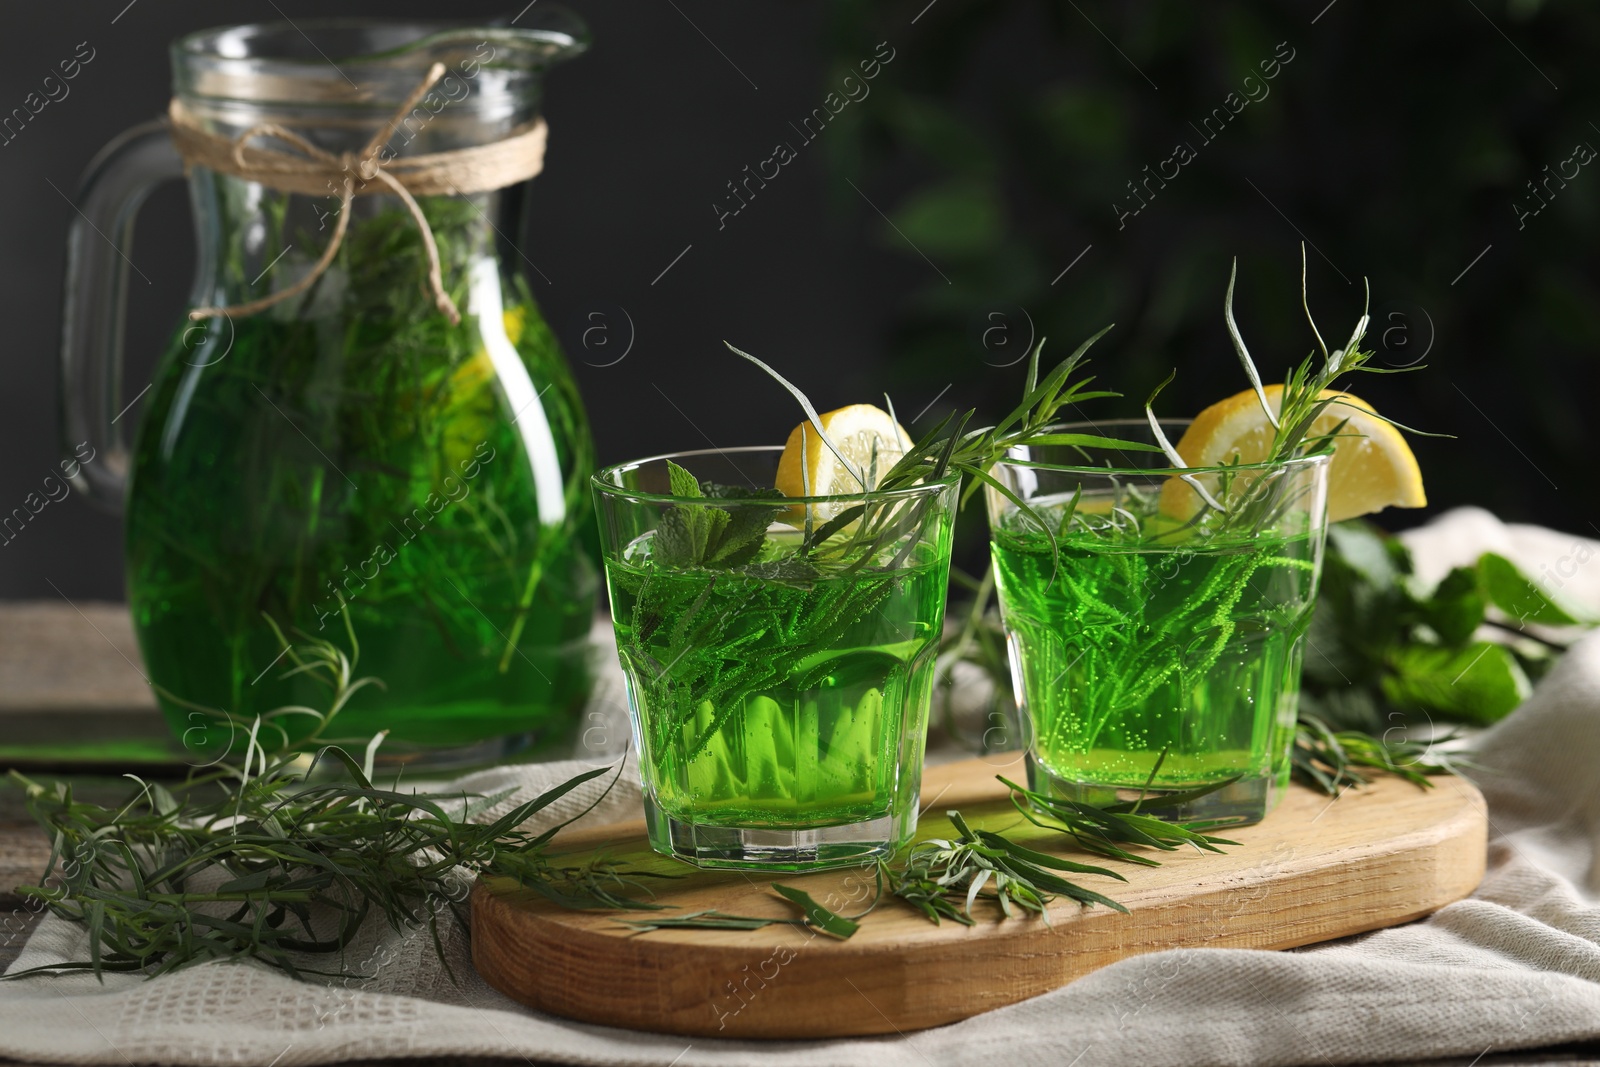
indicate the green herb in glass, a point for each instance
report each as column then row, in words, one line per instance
column 778, row 683
column 356, row 449
column 364, row 409
column 1159, row 622
column 780, row 651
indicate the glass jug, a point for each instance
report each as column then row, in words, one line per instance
column 346, row 463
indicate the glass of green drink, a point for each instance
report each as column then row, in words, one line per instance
column 779, row 655
column 1155, row 647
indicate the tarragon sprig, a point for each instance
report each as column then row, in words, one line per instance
column 282, row 853
column 1106, row 829
column 1308, row 392
column 945, row 878
column 939, row 877
column 1329, row 760
column 876, row 523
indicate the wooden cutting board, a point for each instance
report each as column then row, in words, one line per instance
column 1314, row 870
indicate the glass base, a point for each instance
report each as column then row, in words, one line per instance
column 455, row 758
column 573, row 734
column 768, row 849
column 1245, row 801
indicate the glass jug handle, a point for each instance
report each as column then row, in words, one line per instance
column 113, row 187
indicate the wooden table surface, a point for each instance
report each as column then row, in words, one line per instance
column 66, row 672
column 60, row 659
column 72, row 672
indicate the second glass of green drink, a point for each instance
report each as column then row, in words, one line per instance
column 779, row 654
column 1156, row 631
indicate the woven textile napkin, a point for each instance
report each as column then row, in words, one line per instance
column 1515, row 966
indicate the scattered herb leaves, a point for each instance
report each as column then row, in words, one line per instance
column 945, row 878
column 1508, row 589
column 1328, row 761
column 710, row 919
column 281, row 855
column 1104, row 830
column 818, row 917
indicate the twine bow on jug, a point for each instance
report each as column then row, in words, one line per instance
column 314, row 171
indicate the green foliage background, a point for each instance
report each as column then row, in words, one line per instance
column 1396, row 141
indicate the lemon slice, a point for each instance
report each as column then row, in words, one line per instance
column 1373, row 468
column 866, row 436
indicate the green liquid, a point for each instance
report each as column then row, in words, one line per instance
column 773, row 705
column 1138, row 650
column 372, row 457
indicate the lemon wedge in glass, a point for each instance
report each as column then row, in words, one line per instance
column 868, row 440
column 1372, row 468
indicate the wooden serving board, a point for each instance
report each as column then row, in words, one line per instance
column 1314, row 870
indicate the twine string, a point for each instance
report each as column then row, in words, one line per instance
column 480, row 168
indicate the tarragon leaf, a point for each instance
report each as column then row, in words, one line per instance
column 1089, row 440
column 1041, row 859
column 704, row 920
column 791, row 571
column 1243, row 353
column 816, row 915
column 1046, row 389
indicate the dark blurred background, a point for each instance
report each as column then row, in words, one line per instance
column 1014, row 172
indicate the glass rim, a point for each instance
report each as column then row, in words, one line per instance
column 1106, row 427
column 599, row 479
column 226, row 63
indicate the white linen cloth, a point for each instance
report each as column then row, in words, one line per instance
column 1517, row 965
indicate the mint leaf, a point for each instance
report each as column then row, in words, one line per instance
column 689, row 529
column 683, row 483
column 1363, row 608
column 708, row 526
column 686, row 532
column 673, row 544
column 1513, row 593
column 742, row 537
column 1455, row 610
column 1379, row 560
column 741, row 541
column 718, row 491
column 1481, row 682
